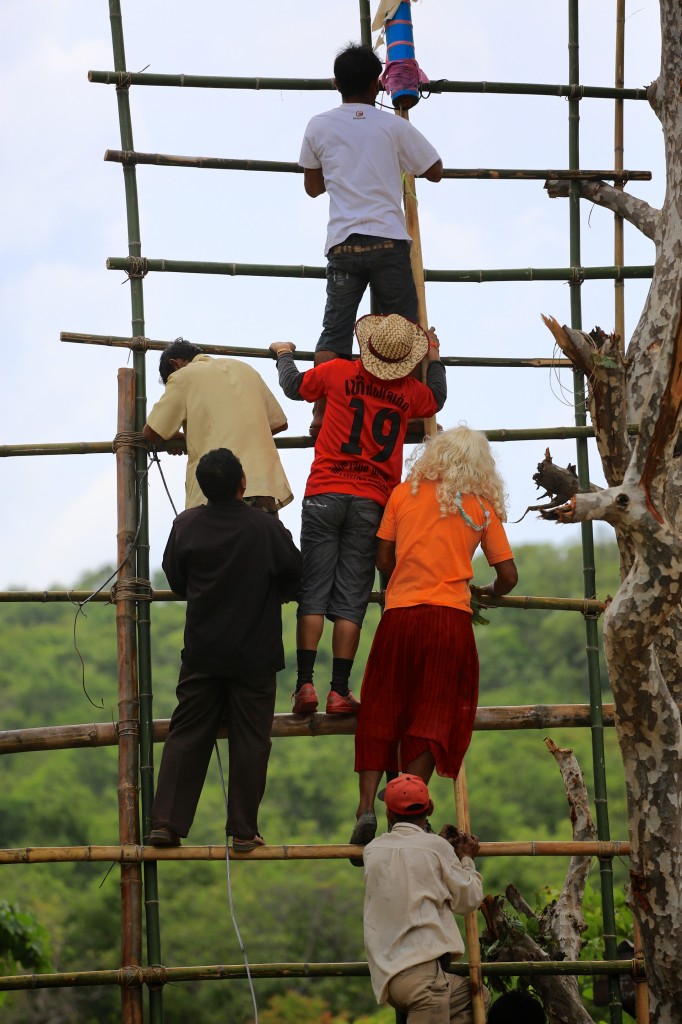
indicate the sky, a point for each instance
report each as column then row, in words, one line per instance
column 63, row 214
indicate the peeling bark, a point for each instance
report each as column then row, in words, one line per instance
column 636, row 211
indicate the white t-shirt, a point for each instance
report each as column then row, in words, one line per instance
column 362, row 152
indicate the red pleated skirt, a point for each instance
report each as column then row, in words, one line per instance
column 420, row 690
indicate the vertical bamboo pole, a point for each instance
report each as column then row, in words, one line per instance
column 618, row 151
column 471, row 920
column 365, row 23
column 128, row 705
column 587, row 537
column 641, row 984
column 417, row 260
column 151, row 893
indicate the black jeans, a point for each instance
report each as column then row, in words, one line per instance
column 247, row 704
column 387, row 270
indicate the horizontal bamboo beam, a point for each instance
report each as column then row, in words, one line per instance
column 125, row 79
column 217, row 163
column 488, row 719
column 159, row 975
column 137, row 266
column 149, row 344
column 130, row 853
column 565, row 604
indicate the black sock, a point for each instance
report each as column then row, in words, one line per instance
column 341, row 668
column 305, row 662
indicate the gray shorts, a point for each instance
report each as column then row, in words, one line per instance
column 338, row 543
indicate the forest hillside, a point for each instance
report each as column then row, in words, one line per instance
column 300, row 911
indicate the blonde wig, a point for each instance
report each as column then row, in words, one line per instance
column 461, row 462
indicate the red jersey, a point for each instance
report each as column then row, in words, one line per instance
column 359, row 449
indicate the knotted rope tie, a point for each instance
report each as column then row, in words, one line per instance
column 129, row 439
column 131, row 977
column 156, row 976
column 131, row 588
column 138, row 267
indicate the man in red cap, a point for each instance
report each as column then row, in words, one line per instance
column 414, row 882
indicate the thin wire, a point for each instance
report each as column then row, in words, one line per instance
column 229, row 890
column 81, row 604
column 154, row 455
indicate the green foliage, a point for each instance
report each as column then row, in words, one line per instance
column 297, row 911
column 22, row 940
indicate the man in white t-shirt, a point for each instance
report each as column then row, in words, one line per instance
column 357, row 155
column 220, row 403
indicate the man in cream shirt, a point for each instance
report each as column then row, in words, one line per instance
column 220, row 403
column 415, row 881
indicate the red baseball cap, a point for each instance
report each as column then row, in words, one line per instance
column 408, row 795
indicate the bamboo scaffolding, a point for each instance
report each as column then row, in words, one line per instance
column 587, row 535
column 159, row 975
column 575, row 274
column 128, row 726
column 217, row 163
column 124, row 79
column 148, row 344
column 132, row 853
column 132, row 1011
column 511, row 718
column 567, row 604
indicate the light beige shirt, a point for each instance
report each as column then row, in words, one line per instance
column 414, row 882
column 224, row 403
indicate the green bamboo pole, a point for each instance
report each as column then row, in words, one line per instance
column 125, row 78
column 148, row 344
column 216, row 163
column 365, row 23
column 227, row 972
column 574, row 274
column 105, row 447
column 589, row 575
column 131, row 853
column 151, row 895
column 566, row 604
column 488, row 719
column 618, row 156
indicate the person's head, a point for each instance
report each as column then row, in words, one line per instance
column 220, row 475
column 390, row 345
column 461, row 460
column 179, row 353
column 516, row 1007
column 407, row 799
column 356, row 72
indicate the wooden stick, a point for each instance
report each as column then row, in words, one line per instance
column 128, row 703
column 133, row 853
column 491, row 719
column 159, row 975
column 641, row 984
column 417, row 261
column 471, row 920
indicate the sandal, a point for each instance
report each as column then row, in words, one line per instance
column 246, row 845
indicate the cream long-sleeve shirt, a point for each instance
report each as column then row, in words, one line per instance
column 414, row 882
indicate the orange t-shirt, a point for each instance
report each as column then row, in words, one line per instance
column 433, row 552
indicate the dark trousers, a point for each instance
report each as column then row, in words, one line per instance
column 247, row 705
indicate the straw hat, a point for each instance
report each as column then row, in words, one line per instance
column 390, row 345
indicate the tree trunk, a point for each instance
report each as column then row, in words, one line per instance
column 642, row 626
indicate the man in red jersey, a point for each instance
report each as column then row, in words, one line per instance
column 358, row 461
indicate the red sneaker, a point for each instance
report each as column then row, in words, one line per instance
column 304, row 700
column 338, row 705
